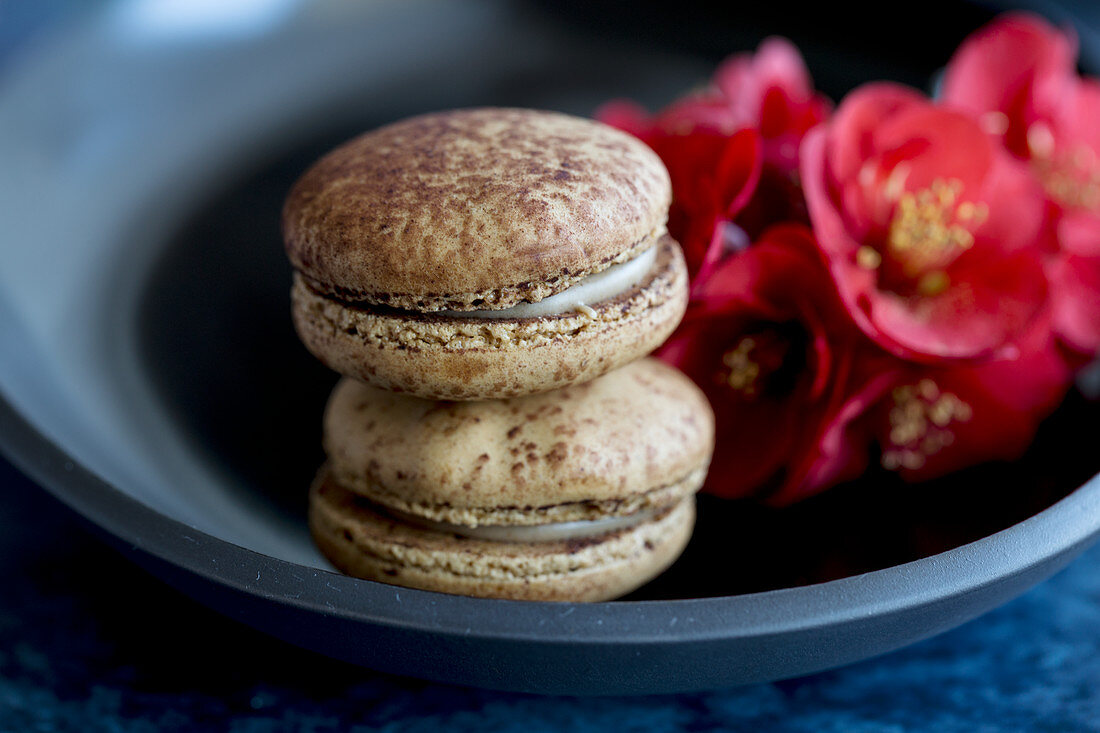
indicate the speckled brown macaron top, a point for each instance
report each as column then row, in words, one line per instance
column 473, row 209
column 637, row 438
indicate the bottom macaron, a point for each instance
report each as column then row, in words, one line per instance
column 577, row 561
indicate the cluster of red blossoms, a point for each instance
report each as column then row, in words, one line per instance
column 900, row 279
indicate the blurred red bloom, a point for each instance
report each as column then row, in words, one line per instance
column 954, row 253
column 713, row 178
column 1075, row 284
column 772, row 347
column 1010, row 74
column 928, row 227
column 732, row 148
column 772, row 91
column 769, row 91
column 714, row 174
column 935, row 420
column 1018, row 78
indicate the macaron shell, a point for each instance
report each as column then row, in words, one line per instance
column 473, row 208
column 641, row 436
column 364, row 543
column 434, row 357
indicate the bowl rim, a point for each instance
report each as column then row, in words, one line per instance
column 1066, row 525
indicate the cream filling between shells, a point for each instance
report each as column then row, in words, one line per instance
column 554, row 532
column 597, row 287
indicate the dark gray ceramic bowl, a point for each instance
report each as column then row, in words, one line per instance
column 152, row 382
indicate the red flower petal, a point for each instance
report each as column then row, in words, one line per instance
column 768, row 341
column 936, row 421
column 929, row 231
column 1008, row 72
column 840, row 453
column 1018, row 77
column 713, row 178
column 1075, row 299
column 771, row 90
column 853, row 127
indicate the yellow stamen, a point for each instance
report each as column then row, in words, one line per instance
column 743, row 371
column 926, row 230
column 929, row 390
column 895, row 183
column 919, row 424
column 868, row 258
column 1071, row 177
column 933, row 283
column 968, row 212
column 1040, row 140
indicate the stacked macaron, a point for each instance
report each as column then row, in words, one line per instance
column 488, row 282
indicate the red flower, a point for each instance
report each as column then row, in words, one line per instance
column 928, row 227
column 915, row 314
column 1010, row 74
column 1018, row 78
column 769, row 91
column 714, row 175
column 731, row 149
column 1075, row 301
column 772, row 91
column 937, row 420
column 713, row 178
column 773, row 349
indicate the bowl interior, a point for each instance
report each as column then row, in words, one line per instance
column 148, row 331
column 248, row 398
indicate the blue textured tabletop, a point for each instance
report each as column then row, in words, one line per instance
column 89, row 642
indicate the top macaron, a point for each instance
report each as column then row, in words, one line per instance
column 484, row 253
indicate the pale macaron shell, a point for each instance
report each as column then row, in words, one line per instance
column 476, row 208
column 367, row 544
column 639, row 437
column 439, row 357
